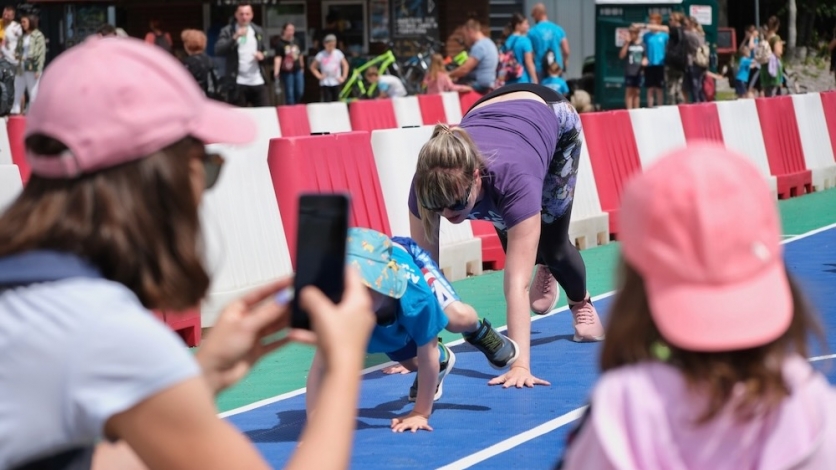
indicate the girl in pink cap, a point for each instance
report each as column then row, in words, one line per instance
column 106, row 230
column 705, row 357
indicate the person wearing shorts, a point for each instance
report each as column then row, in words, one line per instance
column 634, row 55
column 514, row 162
column 414, row 303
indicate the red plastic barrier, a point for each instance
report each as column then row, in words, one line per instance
column 701, row 122
column 467, row 100
column 432, row 109
column 186, row 324
column 783, row 146
column 493, row 256
column 372, row 115
column 829, row 103
column 614, row 155
column 15, row 128
column 293, row 120
column 327, row 163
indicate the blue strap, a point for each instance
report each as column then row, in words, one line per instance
column 43, row 266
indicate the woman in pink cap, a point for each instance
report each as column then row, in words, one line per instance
column 705, row 357
column 107, row 229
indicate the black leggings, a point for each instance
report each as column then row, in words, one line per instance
column 555, row 249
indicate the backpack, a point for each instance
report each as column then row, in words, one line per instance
column 677, row 55
column 507, row 68
column 702, row 58
column 763, row 52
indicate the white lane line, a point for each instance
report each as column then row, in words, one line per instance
column 822, row 358
column 297, row 392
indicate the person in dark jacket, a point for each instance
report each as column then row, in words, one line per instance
column 242, row 43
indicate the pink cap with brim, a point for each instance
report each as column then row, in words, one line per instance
column 116, row 100
column 702, row 229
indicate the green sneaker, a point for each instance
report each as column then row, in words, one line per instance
column 443, row 370
column 500, row 350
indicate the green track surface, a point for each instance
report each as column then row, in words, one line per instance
column 286, row 370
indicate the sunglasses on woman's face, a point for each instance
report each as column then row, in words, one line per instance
column 212, row 164
column 457, row 206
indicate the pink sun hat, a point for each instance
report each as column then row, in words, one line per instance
column 115, row 100
column 702, row 229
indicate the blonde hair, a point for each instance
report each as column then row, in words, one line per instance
column 445, row 170
column 436, row 66
column 194, row 41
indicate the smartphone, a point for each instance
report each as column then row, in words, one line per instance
column 320, row 249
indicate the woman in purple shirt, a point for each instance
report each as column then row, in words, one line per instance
column 513, row 161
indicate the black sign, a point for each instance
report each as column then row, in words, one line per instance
column 414, row 19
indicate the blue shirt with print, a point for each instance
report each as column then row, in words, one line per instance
column 743, row 69
column 546, row 35
column 520, row 45
column 419, row 316
column 655, row 44
column 557, row 84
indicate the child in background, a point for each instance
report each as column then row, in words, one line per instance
column 388, row 86
column 438, row 80
column 745, row 65
column 413, row 303
column 554, row 80
column 633, row 53
column 705, row 358
column 331, row 69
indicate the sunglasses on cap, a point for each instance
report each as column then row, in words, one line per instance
column 457, row 206
column 212, row 165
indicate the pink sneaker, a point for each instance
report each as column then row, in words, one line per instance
column 588, row 326
column 543, row 293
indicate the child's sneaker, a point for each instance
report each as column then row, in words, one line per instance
column 444, row 369
column 543, row 292
column 500, row 350
column 587, row 324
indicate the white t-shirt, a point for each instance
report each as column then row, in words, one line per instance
column 393, row 86
column 74, row 353
column 330, row 66
column 248, row 68
column 12, row 35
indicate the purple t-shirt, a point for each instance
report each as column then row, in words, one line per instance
column 517, row 139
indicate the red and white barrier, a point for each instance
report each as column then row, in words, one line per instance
column 408, row 111
column 452, row 107
column 815, row 140
column 329, row 117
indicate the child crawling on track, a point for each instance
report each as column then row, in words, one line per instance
column 413, row 303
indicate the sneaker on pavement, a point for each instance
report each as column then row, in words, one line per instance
column 500, row 350
column 543, row 293
column 443, row 370
column 588, row 326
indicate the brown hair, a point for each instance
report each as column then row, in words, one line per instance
column 137, row 223
column 194, row 41
column 632, row 336
column 445, row 170
column 436, row 66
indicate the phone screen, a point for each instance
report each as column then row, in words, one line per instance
column 320, row 249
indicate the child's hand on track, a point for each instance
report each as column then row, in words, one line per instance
column 518, row 377
column 411, row 422
column 396, row 369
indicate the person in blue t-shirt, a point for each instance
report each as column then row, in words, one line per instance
column 744, row 69
column 554, row 80
column 520, row 44
column 655, row 45
column 547, row 36
column 413, row 303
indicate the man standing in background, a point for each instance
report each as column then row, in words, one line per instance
column 547, row 37
column 242, row 43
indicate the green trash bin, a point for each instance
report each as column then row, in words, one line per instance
column 614, row 16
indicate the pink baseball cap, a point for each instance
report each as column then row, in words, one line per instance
column 115, row 100
column 701, row 228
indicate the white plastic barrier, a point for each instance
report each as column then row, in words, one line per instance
column 742, row 132
column 329, row 117
column 10, row 185
column 589, row 225
column 396, row 155
column 5, row 148
column 657, row 131
column 246, row 244
column 407, row 111
column 452, row 107
column 815, row 140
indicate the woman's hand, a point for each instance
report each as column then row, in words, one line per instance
column 518, row 377
column 412, row 422
column 235, row 343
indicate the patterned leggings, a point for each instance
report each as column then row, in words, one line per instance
column 555, row 249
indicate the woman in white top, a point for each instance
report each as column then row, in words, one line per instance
column 31, row 56
column 107, row 229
